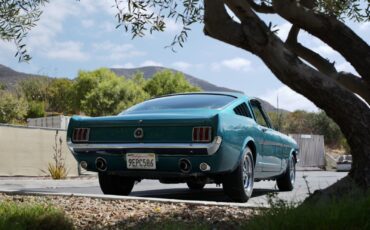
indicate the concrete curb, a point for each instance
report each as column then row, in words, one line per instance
column 135, row 198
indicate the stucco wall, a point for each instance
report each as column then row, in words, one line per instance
column 27, row 151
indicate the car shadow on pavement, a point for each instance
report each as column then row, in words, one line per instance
column 207, row 194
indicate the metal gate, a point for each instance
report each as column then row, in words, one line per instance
column 311, row 150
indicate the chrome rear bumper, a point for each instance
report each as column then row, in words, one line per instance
column 210, row 147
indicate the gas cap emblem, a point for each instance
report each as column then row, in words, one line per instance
column 139, row 133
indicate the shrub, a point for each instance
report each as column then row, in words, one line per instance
column 57, row 170
column 35, row 109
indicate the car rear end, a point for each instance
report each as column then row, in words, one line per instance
column 154, row 144
column 123, row 145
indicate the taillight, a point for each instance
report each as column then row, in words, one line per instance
column 80, row 134
column 202, row 134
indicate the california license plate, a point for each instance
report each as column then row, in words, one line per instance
column 140, row 161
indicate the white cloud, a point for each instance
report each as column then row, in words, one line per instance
column 51, row 22
column 181, row 65
column 288, row 99
column 283, row 30
column 150, row 63
column 106, row 6
column 69, row 50
column 116, row 51
column 238, row 64
column 87, row 23
column 127, row 65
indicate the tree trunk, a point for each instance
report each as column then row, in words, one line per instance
column 342, row 105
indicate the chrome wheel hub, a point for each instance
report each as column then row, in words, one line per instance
column 248, row 174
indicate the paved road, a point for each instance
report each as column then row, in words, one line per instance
column 153, row 189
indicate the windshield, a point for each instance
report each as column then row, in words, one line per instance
column 188, row 101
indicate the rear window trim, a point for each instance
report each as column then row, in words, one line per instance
column 184, row 94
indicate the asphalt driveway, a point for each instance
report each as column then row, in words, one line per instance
column 153, row 189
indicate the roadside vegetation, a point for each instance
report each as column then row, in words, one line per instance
column 19, row 215
column 94, row 93
column 303, row 122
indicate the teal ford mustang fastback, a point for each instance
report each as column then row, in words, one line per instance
column 193, row 138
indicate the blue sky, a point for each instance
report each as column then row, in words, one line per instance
column 74, row 36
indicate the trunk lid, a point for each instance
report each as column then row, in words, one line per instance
column 158, row 127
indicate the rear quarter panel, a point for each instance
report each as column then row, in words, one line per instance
column 236, row 131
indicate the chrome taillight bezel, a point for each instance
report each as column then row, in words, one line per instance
column 202, row 134
column 80, row 134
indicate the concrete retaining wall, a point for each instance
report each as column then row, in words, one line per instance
column 27, row 151
column 56, row 122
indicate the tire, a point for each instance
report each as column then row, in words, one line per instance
column 238, row 185
column 195, row 186
column 115, row 185
column 286, row 181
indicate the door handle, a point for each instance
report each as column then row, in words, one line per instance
column 264, row 129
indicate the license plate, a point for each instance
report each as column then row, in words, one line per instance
column 140, row 161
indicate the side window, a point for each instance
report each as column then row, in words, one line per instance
column 260, row 118
column 242, row 110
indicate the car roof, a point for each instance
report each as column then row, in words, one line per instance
column 232, row 94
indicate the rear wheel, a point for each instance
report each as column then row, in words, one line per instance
column 286, row 181
column 238, row 185
column 115, row 185
column 195, row 186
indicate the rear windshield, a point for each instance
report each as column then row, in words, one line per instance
column 189, row 101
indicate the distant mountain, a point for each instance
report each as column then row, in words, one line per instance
column 149, row 71
column 10, row 77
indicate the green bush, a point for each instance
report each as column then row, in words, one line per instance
column 19, row 216
column 167, row 82
column 35, row 109
column 12, row 108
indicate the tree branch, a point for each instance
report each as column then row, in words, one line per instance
column 330, row 30
column 320, row 63
column 219, row 25
column 348, row 80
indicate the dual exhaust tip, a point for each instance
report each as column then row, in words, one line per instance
column 100, row 164
column 185, row 166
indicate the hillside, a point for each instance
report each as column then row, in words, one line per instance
column 10, row 77
column 149, row 71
